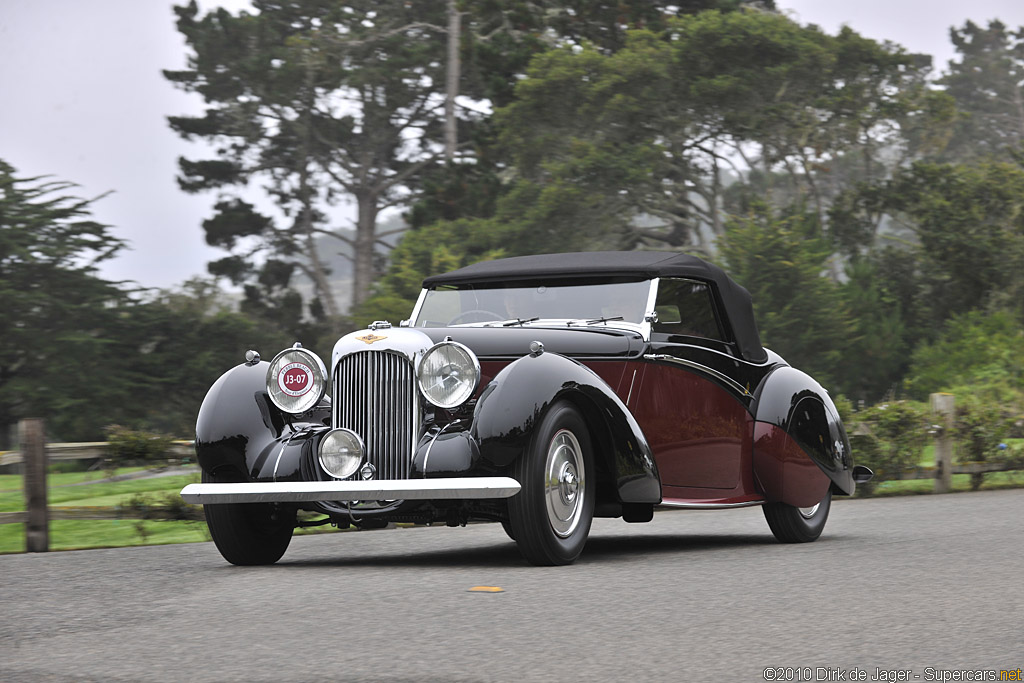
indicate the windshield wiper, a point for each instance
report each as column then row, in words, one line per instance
column 518, row 321
column 604, row 320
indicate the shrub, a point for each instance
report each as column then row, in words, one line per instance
column 128, row 446
column 888, row 438
column 979, row 429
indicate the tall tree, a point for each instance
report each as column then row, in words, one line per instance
column 800, row 314
column 59, row 319
column 987, row 82
column 712, row 99
column 322, row 101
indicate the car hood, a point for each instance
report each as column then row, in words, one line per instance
column 513, row 342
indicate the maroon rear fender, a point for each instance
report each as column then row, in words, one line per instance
column 800, row 408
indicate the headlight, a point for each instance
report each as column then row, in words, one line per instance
column 296, row 380
column 341, row 451
column 448, row 374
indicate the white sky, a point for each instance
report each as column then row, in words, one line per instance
column 82, row 98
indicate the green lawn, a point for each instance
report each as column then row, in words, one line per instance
column 961, row 482
column 76, row 534
column 12, row 482
column 101, row 494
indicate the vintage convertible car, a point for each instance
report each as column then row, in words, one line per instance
column 538, row 392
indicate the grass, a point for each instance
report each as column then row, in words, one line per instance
column 13, row 482
column 81, row 534
column 961, row 482
column 78, row 534
column 100, row 494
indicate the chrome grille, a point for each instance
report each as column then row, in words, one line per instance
column 375, row 397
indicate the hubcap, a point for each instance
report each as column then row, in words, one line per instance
column 807, row 513
column 565, row 484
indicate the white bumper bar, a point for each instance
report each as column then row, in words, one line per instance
column 383, row 489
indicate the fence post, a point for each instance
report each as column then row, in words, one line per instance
column 944, row 411
column 32, row 439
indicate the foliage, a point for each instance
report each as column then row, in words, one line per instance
column 773, row 258
column 875, row 355
column 987, row 82
column 163, row 506
column 978, row 353
column 888, row 438
column 436, row 248
column 61, row 322
column 969, row 221
column 321, row 101
column 128, row 446
column 980, row 427
column 657, row 127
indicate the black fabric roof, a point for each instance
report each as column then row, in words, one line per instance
column 629, row 264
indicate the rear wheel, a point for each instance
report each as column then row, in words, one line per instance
column 550, row 516
column 249, row 533
column 797, row 525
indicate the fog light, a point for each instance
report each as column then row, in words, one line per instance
column 341, row 453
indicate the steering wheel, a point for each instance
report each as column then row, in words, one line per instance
column 481, row 315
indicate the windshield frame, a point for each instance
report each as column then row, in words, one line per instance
column 643, row 327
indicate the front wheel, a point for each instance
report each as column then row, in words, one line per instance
column 550, row 516
column 249, row 533
column 797, row 525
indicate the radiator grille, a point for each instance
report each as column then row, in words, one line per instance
column 375, row 397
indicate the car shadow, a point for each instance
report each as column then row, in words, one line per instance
column 503, row 552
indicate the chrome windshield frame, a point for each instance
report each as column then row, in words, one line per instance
column 643, row 327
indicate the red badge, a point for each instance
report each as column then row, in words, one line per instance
column 295, row 379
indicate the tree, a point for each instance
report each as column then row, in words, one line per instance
column 979, row 353
column 987, row 82
column 800, row 314
column 59, row 319
column 713, row 99
column 322, row 101
column 969, row 222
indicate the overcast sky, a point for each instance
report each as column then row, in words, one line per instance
column 82, row 98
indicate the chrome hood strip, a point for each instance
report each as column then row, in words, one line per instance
column 453, row 488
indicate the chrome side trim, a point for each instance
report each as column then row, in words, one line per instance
column 703, row 368
column 454, row 488
column 631, row 383
column 706, row 506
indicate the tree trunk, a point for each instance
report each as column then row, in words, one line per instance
column 321, row 285
column 453, row 74
column 366, row 237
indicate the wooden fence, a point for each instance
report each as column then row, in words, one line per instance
column 35, row 455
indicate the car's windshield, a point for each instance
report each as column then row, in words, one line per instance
column 523, row 303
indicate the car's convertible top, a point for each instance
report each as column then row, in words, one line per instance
column 640, row 265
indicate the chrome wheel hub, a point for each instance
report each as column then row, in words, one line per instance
column 565, row 483
column 808, row 513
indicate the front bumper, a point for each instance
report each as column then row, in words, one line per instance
column 452, row 488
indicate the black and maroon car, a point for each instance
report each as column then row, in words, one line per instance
column 537, row 391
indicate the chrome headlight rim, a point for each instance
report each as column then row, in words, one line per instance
column 293, row 363
column 469, row 388
column 355, row 444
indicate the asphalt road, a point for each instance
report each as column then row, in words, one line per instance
column 895, row 584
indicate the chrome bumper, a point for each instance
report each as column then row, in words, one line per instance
column 383, row 489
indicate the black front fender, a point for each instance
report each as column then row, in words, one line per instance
column 512, row 405
column 241, row 434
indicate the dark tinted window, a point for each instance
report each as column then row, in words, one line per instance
column 685, row 307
